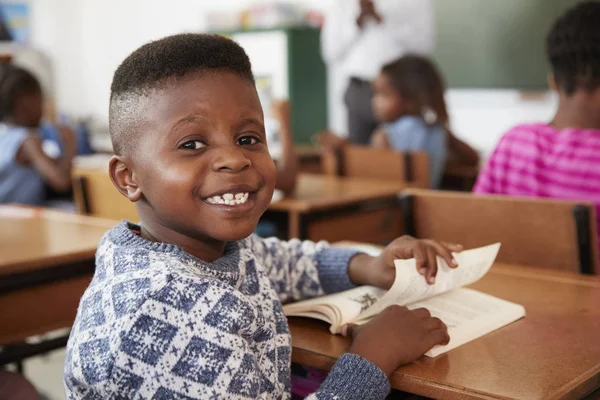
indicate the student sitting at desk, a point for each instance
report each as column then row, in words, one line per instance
column 559, row 159
column 409, row 101
column 188, row 304
column 25, row 168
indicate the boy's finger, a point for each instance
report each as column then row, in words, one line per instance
column 422, row 313
column 350, row 330
column 444, row 253
column 421, row 259
column 438, row 336
column 435, row 324
column 431, row 266
column 453, row 246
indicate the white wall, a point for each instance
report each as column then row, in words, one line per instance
column 86, row 39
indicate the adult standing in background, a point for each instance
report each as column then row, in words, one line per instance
column 361, row 37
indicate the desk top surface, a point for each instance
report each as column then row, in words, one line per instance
column 318, row 192
column 34, row 238
column 554, row 352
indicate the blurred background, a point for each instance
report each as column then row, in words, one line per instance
column 494, row 64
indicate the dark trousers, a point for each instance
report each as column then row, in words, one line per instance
column 361, row 121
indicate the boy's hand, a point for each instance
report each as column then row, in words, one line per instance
column 380, row 271
column 396, row 337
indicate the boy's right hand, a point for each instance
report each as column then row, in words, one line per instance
column 396, row 337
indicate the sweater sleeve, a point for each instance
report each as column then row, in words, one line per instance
column 353, row 378
column 302, row 269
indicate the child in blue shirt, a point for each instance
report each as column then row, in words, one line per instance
column 26, row 171
column 408, row 100
column 187, row 305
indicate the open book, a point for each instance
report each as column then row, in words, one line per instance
column 469, row 314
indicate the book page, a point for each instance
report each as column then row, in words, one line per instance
column 469, row 314
column 338, row 308
column 410, row 286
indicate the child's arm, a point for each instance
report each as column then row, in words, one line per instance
column 302, row 269
column 287, row 165
column 393, row 338
column 461, row 151
column 57, row 173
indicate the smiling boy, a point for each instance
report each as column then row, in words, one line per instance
column 187, row 305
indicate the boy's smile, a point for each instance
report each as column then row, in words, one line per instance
column 200, row 171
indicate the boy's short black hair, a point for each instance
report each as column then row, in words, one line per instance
column 14, row 82
column 573, row 48
column 163, row 62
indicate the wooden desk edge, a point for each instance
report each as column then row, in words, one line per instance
column 303, row 206
column 397, row 381
column 72, row 257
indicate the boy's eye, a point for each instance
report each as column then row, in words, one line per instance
column 193, row 145
column 247, row 140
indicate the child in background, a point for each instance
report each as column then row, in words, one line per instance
column 187, row 305
column 287, row 162
column 409, row 101
column 24, row 166
column 559, row 159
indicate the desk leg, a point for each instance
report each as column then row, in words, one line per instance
column 294, row 225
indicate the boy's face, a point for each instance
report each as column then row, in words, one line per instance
column 387, row 103
column 202, row 163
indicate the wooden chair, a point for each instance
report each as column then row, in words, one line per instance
column 96, row 195
column 545, row 233
column 368, row 162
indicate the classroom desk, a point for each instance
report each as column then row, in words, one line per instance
column 46, row 262
column 554, row 352
column 325, row 207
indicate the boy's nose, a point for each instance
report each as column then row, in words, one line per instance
column 230, row 159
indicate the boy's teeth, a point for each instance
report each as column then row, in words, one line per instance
column 229, row 199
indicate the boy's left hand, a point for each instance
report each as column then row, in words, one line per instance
column 380, row 271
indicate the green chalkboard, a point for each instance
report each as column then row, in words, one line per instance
column 494, row 43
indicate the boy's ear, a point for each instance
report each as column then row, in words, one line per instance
column 124, row 179
column 552, row 82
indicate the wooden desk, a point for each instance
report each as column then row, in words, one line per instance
column 46, row 262
column 554, row 352
column 325, row 207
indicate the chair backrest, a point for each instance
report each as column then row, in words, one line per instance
column 545, row 233
column 96, row 195
column 368, row 162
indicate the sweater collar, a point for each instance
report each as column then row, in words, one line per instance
column 225, row 268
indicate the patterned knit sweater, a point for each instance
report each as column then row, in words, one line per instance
column 158, row 323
